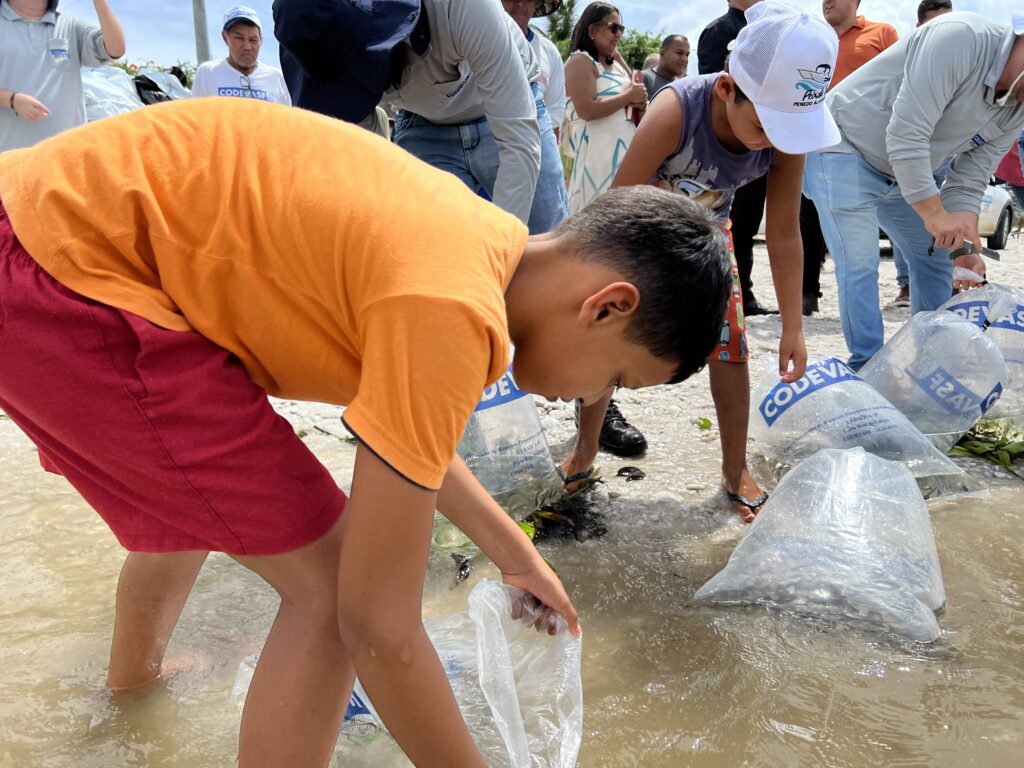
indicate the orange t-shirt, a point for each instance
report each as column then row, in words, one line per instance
column 860, row 44
column 334, row 265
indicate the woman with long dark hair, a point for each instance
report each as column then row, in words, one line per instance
column 599, row 90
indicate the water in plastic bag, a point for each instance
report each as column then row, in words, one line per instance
column 505, row 448
column 832, row 407
column 942, row 372
column 845, row 535
column 519, row 690
column 999, row 311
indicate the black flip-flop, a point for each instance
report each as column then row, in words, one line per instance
column 576, row 476
column 751, row 504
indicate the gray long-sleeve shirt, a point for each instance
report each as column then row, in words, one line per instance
column 928, row 97
column 480, row 64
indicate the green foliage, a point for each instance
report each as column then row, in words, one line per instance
column 528, row 528
column 560, row 25
column 998, row 441
column 635, row 46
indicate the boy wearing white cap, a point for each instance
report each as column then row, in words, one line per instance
column 708, row 135
column 241, row 74
column 951, row 89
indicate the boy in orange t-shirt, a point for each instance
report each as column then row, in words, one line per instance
column 162, row 271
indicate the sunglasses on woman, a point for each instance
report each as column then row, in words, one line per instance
column 616, row 28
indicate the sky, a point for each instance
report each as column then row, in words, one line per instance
column 162, row 30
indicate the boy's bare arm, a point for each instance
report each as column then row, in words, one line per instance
column 384, row 548
column 786, row 256
column 656, row 138
column 465, row 502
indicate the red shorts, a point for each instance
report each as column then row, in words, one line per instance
column 162, row 432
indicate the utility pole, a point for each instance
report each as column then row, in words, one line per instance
column 202, row 39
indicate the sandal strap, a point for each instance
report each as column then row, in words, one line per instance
column 576, row 476
column 750, row 504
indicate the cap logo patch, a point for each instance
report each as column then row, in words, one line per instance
column 813, row 83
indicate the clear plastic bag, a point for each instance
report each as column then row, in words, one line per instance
column 108, row 91
column 942, row 372
column 519, row 690
column 999, row 311
column 832, row 407
column 845, row 535
column 505, row 448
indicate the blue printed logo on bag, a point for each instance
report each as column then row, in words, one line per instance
column 504, row 390
column 973, row 311
column 942, row 387
column 819, row 375
column 356, row 707
column 1011, row 321
column 989, row 401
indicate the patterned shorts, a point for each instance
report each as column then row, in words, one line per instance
column 732, row 347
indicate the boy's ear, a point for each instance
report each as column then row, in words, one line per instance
column 725, row 86
column 616, row 301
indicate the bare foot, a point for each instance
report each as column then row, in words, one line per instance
column 750, row 491
column 171, row 669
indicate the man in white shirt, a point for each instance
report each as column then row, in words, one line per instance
column 241, row 74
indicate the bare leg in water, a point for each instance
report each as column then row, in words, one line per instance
column 151, row 592
column 304, row 678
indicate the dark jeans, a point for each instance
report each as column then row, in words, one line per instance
column 747, row 210
column 814, row 246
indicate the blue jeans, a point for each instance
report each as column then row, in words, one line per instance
column 470, row 152
column 852, row 199
column 902, row 270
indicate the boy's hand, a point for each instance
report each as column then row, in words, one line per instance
column 792, row 352
column 542, row 582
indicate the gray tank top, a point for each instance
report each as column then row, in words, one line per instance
column 701, row 168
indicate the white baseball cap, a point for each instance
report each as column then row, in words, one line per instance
column 783, row 61
column 241, row 13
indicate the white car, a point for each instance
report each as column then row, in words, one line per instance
column 997, row 217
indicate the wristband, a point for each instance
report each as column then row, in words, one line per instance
column 11, row 103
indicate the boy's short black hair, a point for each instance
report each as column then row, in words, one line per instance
column 592, row 14
column 740, row 95
column 675, row 253
column 929, row 6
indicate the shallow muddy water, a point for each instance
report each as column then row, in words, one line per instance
column 666, row 683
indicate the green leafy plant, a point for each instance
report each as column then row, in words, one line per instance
column 635, row 46
column 998, row 441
